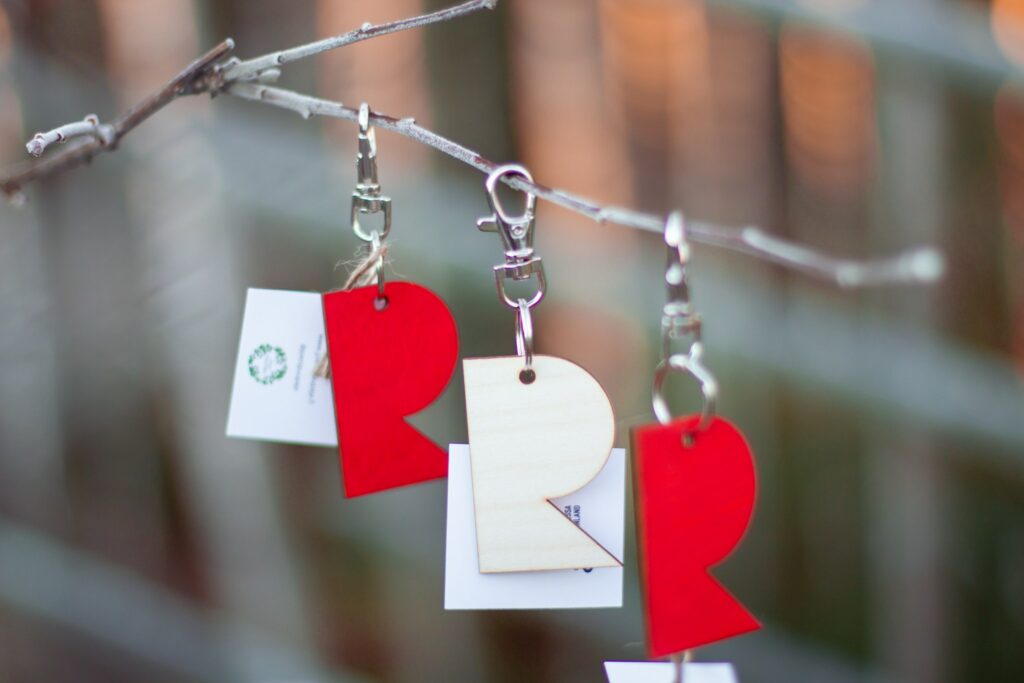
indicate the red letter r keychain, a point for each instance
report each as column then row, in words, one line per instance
column 392, row 350
column 695, row 486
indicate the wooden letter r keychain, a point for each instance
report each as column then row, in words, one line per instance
column 540, row 427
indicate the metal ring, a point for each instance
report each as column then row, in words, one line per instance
column 369, row 207
column 524, row 332
column 491, row 184
column 690, row 364
column 501, row 274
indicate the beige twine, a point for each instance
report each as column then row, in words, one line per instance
column 364, row 274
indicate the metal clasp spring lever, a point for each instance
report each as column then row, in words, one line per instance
column 516, row 235
column 367, row 198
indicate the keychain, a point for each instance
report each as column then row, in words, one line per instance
column 392, row 349
column 695, row 487
column 540, row 427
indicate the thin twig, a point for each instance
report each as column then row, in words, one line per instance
column 247, row 80
column 199, row 76
column 251, row 69
column 90, row 126
column 367, row 270
column 921, row 265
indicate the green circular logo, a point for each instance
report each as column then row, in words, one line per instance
column 267, row 363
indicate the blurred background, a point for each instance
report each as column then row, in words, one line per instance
column 138, row 543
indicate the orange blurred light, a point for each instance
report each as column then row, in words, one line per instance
column 827, row 87
column 1008, row 28
column 5, row 36
column 11, row 132
column 1009, row 120
column 695, row 90
column 146, row 42
column 388, row 73
column 570, row 136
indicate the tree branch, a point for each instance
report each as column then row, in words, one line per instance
column 91, row 126
column 247, row 80
column 921, row 265
column 251, row 69
column 202, row 75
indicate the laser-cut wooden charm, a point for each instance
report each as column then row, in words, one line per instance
column 530, row 443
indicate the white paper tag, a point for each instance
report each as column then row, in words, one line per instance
column 599, row 508
column 275, row 396
column 662, row 672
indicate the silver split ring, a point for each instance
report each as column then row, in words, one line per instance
column 689, row 363
column 524, row 333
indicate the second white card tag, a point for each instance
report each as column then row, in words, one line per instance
column 599, row 509
column 662, row 672
column 275, row 396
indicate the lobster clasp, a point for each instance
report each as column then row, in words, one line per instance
column 367, row 198
column 679, row 319
column 516, row 231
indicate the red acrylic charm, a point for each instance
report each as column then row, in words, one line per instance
column 386, row 365
column 694, row 503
